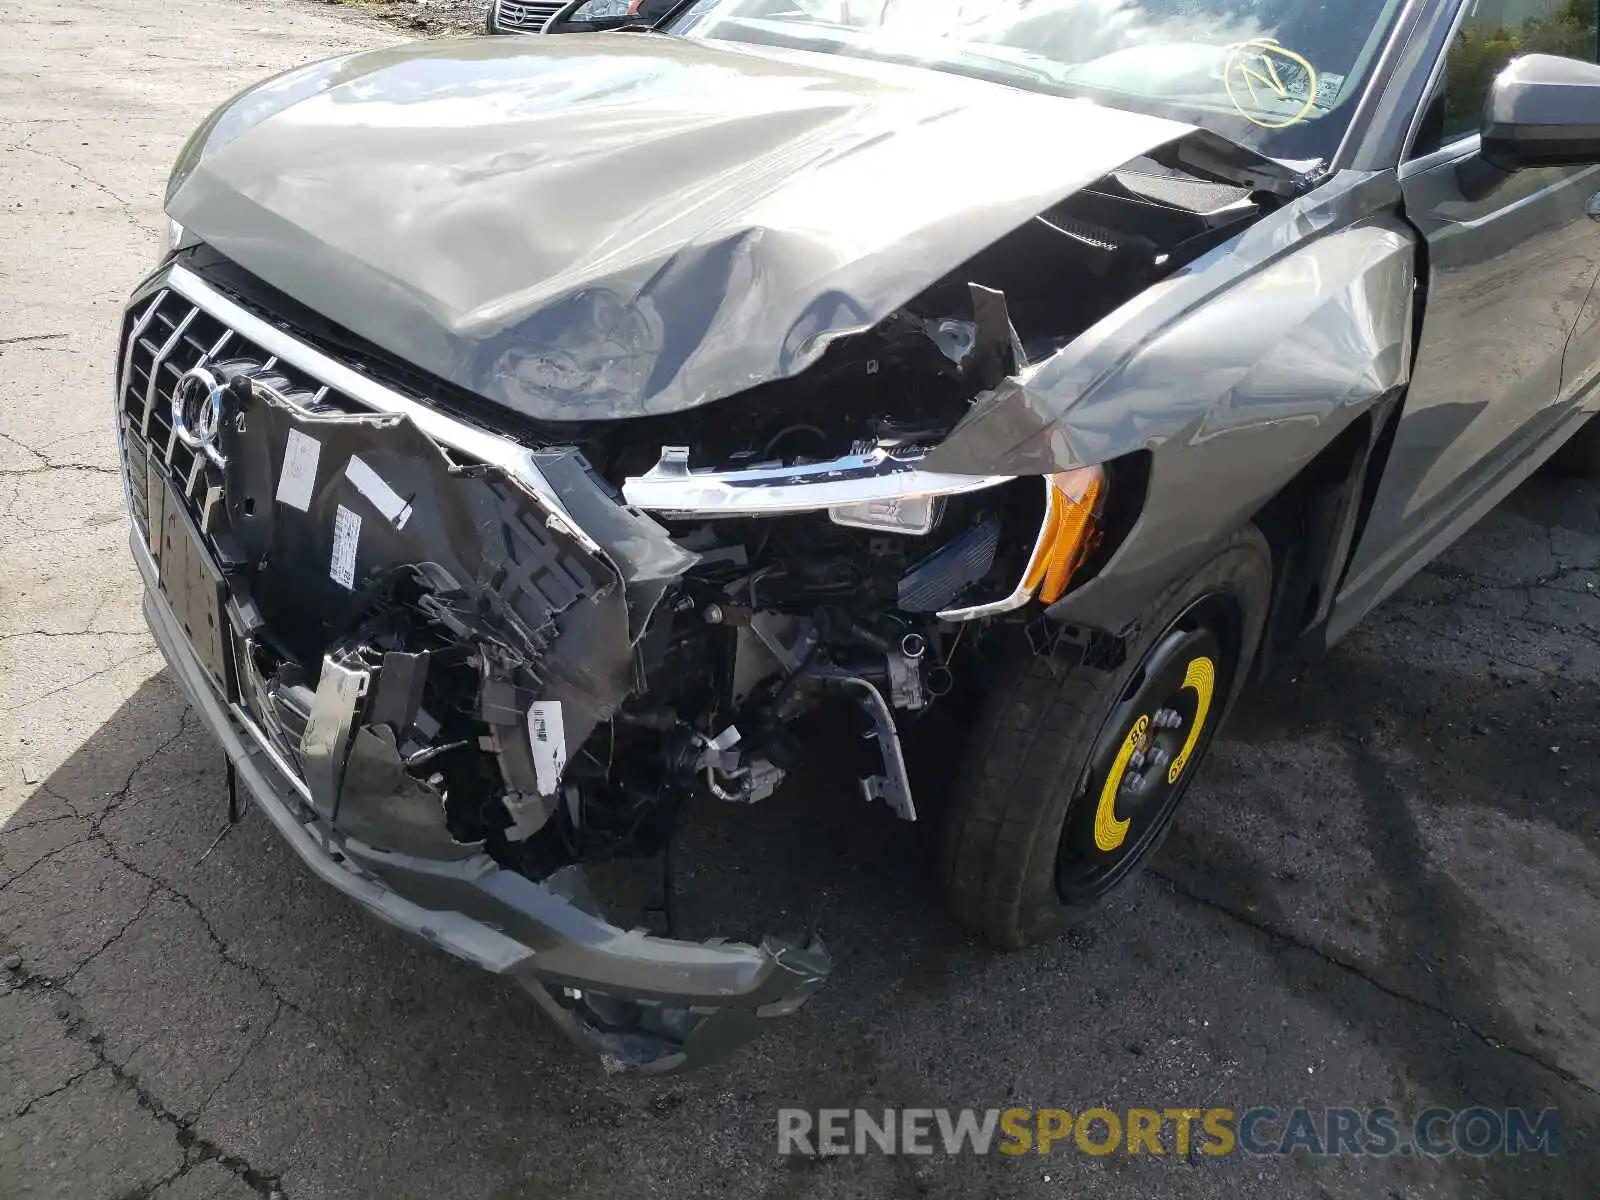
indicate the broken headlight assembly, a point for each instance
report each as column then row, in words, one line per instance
column 850, row 578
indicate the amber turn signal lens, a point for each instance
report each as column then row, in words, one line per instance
column 1072, row 502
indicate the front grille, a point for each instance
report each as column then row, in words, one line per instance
column 163, row 338
column 260, row 633
column 526, row 14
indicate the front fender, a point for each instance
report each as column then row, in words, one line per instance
column 1233, row 375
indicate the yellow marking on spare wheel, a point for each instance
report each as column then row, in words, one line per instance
column 1202, row 678
column 1108, row 830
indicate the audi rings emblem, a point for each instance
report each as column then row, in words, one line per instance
column 197, row 412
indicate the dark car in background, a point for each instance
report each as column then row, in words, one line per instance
column 573, row 16
column 522, row 435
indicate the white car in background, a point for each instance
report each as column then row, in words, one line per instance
column 577, row 16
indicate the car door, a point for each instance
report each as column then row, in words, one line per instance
column 1580, row 369
column 1509, row 268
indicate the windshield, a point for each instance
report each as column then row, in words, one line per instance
column 1279, row 75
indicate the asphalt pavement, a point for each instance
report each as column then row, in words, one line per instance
column 1382, row 892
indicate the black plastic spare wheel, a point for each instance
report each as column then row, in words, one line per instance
column 1075, row 772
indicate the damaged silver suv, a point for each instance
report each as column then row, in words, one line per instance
column 522, row 434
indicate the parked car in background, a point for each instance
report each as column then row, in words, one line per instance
column 522, row 435
column 573, row 16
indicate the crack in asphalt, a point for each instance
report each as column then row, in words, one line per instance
column 67, row 687
column 251, row 1047
column 86, row 468
column 255, row 971
column 32, row 337
column 96, row 833
column 6, row 884
column 1351, row 968
column 37, row 822
column 70, row 1082
column 20, row 445
column 1486, row 583
column 47, row 463
column 1398, row 606
column 51, row 634
column 1477, row 647
column 197, row 1149
column 122, row 931
column 124, row 205
column 113, row 800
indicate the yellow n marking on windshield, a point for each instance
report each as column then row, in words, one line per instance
column 1258, row 63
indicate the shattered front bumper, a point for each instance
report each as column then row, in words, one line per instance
column 643, row 1003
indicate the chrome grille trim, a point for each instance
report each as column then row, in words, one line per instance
column 493, row 449
column 155, row 370
column 205, row 323
column 323, row 377
column 139, row 327
column 532, row 15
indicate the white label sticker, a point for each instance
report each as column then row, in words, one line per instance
column 383, row 497
column 346, row 533
column 299, row 478
column 548, row 739
column 1329, row 86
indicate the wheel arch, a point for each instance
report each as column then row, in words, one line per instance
column 1313, row 525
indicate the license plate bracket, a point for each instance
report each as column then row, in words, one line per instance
column 193, row 585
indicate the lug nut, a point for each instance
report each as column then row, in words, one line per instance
column 713, row 614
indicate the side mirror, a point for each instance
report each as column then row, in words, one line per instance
column 1542, row 111
column 590, row 16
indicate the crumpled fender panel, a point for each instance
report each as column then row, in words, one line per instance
column 1233, row 373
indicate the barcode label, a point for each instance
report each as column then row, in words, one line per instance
column 547, row 738
column 346, row 536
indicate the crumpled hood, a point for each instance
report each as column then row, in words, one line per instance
column 620, row 224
